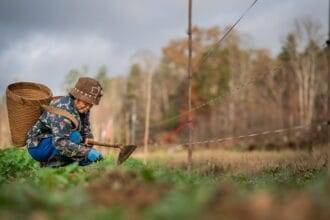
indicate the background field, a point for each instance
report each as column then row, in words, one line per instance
column 227, row 184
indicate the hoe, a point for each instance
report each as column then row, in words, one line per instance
column 124, row 153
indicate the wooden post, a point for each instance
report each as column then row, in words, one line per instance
column 147, row 119
column 189, row 84
column 133, row 121
column 328, row 109
column 127, row 130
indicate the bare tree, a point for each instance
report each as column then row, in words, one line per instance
column 147, row 60
column 305, row 67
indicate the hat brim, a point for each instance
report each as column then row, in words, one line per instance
column 85, row 97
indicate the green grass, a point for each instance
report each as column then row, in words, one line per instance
column 26, row 190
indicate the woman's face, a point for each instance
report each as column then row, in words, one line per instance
column 81, row 106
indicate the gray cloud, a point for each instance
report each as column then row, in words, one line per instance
column 42, row 40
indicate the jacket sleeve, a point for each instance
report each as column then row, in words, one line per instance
column 61, row 129
column 86, row 131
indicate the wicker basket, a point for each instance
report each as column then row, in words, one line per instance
column 24, row 100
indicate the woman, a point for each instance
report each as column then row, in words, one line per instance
column 55, row 140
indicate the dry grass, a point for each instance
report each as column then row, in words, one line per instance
column 218, row 160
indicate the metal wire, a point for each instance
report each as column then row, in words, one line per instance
column 233, row 138
column 217, row 44
column 218, row 98
column 237, row 89
column 203, row 59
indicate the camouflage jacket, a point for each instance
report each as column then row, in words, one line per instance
column 59, row 128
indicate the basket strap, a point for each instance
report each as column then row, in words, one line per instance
column 62, row 112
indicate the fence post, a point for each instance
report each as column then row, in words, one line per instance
column 328, row 109
column 189, row 84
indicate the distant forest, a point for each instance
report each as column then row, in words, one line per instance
column 246, row 90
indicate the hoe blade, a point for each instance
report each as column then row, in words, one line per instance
column 125, row 152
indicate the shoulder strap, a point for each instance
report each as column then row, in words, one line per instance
column 62, row 112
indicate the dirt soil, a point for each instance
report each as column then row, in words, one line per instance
column 262, row 205
column 126, row 189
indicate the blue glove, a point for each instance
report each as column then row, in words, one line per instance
column 93, row 155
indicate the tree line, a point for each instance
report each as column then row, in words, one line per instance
column 251, row 90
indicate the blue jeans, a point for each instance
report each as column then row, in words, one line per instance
column 46, row 150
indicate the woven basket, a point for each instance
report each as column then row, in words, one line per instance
column 24, row 100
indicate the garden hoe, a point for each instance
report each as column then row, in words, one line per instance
column 124, row 153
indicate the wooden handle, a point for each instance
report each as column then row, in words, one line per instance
column 93, row 142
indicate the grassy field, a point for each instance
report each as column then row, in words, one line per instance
column 223, row 184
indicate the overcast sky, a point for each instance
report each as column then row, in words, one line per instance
column 42, row 40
